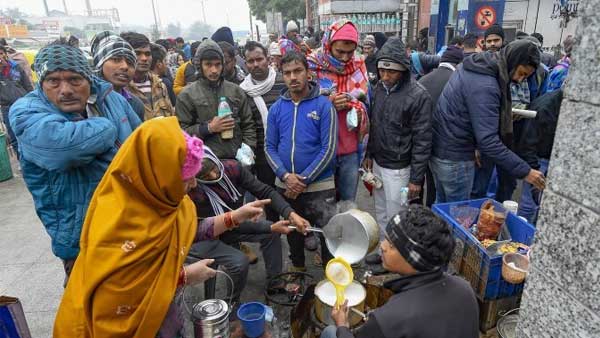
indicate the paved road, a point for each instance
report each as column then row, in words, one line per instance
column 32, row 273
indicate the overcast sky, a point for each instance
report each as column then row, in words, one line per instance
column 232, row 13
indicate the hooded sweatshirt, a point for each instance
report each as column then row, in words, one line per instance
column 301, row 139
column 198, row 104
column 401, row 119
column 474, row 110
column 351, row 78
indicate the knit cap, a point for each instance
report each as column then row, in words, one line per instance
column 57, row 57
column 193, row 158
column 106, row 45
column 494, row 29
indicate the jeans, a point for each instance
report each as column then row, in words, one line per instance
column 11, row 134
column 484, row 180
column 453, row 179
column 329, row 332
column 317, row 208
column 387, row 199
column 529, row 204
column 346, row 176
column 234, row 261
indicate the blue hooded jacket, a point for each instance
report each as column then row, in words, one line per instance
column 301, row 138
column 64, row 156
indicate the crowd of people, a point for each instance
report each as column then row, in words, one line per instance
column 141, row 182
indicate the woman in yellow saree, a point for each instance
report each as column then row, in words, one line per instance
column 138, row 229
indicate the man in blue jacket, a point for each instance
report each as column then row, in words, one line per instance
column 69, row 129
column 475, row 111
column 300, row 144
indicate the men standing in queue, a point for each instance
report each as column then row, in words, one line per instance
column 198, row 104
column 115, row 61
column 263, row 86
column 147, row 86
column 69, row 129
column 400, row 137
column 343, row 75
column 475, row 110
column 300, row 146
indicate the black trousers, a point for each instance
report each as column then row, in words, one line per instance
column 265, row 174
column 317, row 208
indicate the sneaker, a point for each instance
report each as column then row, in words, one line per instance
column 311, row 242
column 373, row 259
column 252, row 258
column 377, row 270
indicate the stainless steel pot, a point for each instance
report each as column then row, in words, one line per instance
column 351, row 235
column 211, row 319
column 325, row 300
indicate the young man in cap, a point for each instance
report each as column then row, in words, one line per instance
column 198, row 104
column 69, row 129
column 147, row 86
column 417, row 246
column 343, row 75
column 493, row 38
column 291, row 40
column 369, row 50
column 400, row 137
column 115, row 61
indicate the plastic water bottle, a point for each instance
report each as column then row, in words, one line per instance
column 225, row 111
column 404, row 196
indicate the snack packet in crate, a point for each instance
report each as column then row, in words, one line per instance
column 491, row 220
column 12, row 319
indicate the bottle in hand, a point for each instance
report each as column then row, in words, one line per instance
column 225, row 111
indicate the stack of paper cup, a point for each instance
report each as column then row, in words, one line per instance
column 511, row 206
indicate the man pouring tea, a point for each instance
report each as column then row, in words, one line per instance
column 427, row 302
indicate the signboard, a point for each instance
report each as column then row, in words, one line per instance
column 483, row 14
column 485, row 17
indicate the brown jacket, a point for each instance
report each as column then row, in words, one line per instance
column 160, row 105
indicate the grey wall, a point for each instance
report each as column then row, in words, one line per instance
column 562, row 294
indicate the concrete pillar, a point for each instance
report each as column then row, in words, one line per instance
column 562, row 294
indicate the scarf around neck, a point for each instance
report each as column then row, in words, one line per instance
column 257, row 90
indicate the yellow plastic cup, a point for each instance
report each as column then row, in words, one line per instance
column 340, row 274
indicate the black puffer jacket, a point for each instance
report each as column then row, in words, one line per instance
column 400, row 120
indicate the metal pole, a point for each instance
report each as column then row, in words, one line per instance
column 537, row 15
column 251, row 26
column 203, row 11
column 155, row 18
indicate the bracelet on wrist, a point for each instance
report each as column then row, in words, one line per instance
column 228, row 220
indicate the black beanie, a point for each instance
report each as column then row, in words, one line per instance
column 494, row 29
column 453, row 55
